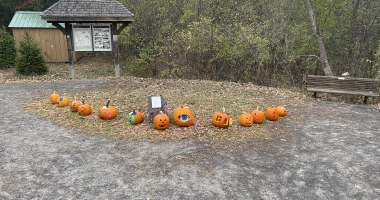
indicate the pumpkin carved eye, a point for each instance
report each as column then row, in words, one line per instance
column 183, row 116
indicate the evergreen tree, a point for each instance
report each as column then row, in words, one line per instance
column 30, row 60
column 7, row 49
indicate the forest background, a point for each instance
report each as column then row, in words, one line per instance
column 264, row 42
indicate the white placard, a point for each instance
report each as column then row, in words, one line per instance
column 102, row 38
column 82, row 38
column 156, row 102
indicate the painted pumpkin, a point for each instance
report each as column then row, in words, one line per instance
column 183, row 116
column 258, row 116
column 221, row 119
column 161, row 121
column 246, row 120
column 135, row 117
column 281, row 110
column 74, row 106
column 271, row 114
column 54, row 98
column 107, row 112
column 62, row 101
column 84, row 109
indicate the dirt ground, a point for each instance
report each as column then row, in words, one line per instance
column 321, row 150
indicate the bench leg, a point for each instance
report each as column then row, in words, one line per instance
column 365, row 100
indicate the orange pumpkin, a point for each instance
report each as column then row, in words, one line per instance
column 62, row 101
column 107, row 112
column 84, row 109
column 74, row 106
column 161, row 121
column 221, row 119
column 271, row 113
column 246, row 120
column 257, row 116
column 135, row 117
column 183, row 116
column 54, row 98
column 281, row 110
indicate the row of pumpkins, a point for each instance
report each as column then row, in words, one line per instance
column 182, row 115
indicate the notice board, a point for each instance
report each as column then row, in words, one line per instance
column 92, row 38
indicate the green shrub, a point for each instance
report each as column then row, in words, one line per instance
column 30, row 61
column 7, row 49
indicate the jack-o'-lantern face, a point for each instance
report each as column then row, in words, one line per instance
column 221, row 120
column 74, row 106
column 258, row 116
column 84, row 109
column 271, row 114
column 161, row 121
column 246, row 120
column 183, row 116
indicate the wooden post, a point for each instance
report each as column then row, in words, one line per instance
column 70, row 56
column 116, row 55
column 68, row 29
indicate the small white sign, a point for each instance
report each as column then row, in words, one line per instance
column 156, row 102
column 340, row 78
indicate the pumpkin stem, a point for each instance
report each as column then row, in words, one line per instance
column 82, row 101
column 108, row 103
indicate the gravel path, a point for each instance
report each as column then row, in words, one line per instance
column 323, row 150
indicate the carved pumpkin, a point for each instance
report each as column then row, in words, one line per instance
column 54, row 98
column 74, row 106
column 107, row 112
column 257, row 116
column 84, row 109
column 135, row 117
column 183, row 116
column 281, row 110
column 246, row 120
column 161, row 121
column 62, row 101
column 221, row 119
column 271, row 114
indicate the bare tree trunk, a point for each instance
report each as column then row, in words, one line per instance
column 321, row 45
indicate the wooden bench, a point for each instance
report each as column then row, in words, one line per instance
column 366, row 87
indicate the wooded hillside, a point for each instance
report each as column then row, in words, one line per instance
column 264, row 42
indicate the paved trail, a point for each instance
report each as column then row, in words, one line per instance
column 325, row 151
